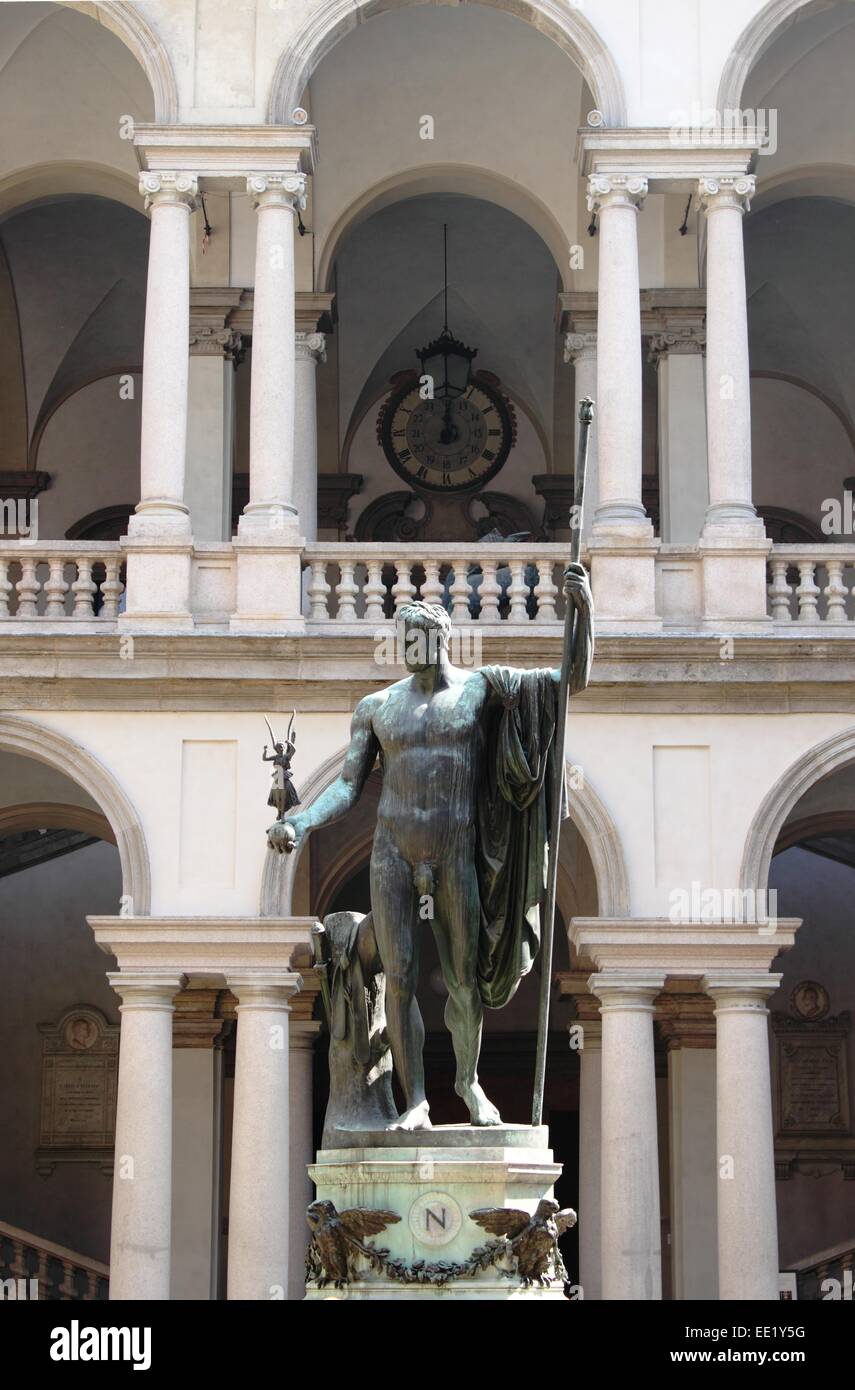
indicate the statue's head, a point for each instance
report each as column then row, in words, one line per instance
column 425, row 630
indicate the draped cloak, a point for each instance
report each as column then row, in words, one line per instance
column 512, row 815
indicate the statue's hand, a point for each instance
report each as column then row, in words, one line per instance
column 577, row 588
column 284, row 836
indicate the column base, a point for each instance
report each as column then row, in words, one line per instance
column 623, row 577
column 269, row 584
column 432, row 1181
column 157, row 584
column 733, row 566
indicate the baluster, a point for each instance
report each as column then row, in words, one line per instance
column 403, row 590
column 835, row 593
column 460, row 592
column 111, row 591
column 779, row 592
column 808, row 592
column 545, row 592
column 346, row 591
column 375, row 592
column 432, row 589
column 83, row 589
column 489, row 592
column 42, row 1277
column 319, row 591
column 18, row 1266
column 518, row 593
column 91, row 1286
column 27, row 589
column 5, row 588
column 55, row 589
column 67, row 1291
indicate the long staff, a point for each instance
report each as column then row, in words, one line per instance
column 586, row 415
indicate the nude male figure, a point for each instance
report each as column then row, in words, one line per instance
column 428, row 731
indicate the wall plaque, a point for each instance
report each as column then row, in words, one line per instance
column 812, row 1111
column 80, row 1060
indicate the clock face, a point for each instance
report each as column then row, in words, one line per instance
column 446, row 445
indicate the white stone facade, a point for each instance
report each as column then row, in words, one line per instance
column 652, row 205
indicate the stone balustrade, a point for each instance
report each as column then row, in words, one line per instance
column 355, row 585
column 812, row 584
column 61, row 579
column 44, row 1271
column 365, row 584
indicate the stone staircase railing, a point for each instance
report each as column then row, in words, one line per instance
column 827, row 1275
column 34, row 1268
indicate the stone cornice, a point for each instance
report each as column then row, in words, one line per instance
column 671, row 160
column 202, row 948
column 689, row 950
column 225, row 154
column 662, row 310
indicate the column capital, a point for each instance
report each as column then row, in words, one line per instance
column 310, row 347
column 207, row 341
column 143, row 989
column 627, row 989
column 263, row 989
column 169, row 187
column 277, row 190
column 740, row 991
column 616, row 190
column 682, row 342
column 726, row 191
column 580, row 347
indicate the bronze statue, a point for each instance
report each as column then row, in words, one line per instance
column 532, row 1240
column 353, row 989
column 461, row 833
column 283, row 794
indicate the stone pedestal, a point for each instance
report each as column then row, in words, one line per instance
column 432, row 1181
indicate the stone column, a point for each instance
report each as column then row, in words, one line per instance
column 687, row 1022
column 215, row 347
column 590, row 1159
column 747, row 1215
column 310, row 349
column 170, row 198
column 303, row 1033
column 158, row 542
column 683, row 487
column 617, row 199
column 271, row 504
column 259, row 1193
column 142, row 1178
column 725, row 201
column 269, row 585
column 621, row 543
column 195, row 1068
column 733, row 545
column 631, row 1239
column 581, row 350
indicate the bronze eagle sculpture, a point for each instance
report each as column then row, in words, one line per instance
column 335, row 1234
column 532, row 1240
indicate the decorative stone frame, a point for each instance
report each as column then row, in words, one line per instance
column 45, row 745
column 562, row 22
column 816, row 763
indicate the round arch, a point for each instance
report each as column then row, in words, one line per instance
column 466, row 180
column 587, row 812
column 560, row 20
column 756, row 37
column 45, row 745
column 67, row 178
column 811, row 767
column 125, row 21
column 54, row 815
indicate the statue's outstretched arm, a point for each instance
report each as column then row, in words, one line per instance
column 344, row 792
